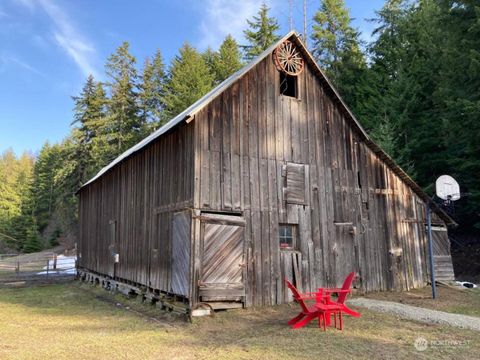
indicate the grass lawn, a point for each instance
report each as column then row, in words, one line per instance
column 73, row 321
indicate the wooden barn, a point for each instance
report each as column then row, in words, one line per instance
column 268, row 176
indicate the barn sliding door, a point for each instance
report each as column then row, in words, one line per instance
column 222, row 273
column 181, row 252
column 112, row 248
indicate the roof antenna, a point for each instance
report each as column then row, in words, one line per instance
column 290, row 14
column 305, row 22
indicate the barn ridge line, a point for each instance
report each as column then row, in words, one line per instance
column 189, row 113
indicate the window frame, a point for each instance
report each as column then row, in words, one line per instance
column 293, row 236
column 295, row 81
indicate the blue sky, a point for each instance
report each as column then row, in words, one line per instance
column 48, row 47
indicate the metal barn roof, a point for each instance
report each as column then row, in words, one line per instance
column 189, row 112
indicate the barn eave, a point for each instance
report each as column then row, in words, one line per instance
column 188, row 115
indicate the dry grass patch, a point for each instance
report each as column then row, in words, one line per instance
column 78, row 322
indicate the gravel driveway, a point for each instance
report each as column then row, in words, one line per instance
column 418, row 314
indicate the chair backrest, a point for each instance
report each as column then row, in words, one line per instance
column 346, row 286
column 296, row 295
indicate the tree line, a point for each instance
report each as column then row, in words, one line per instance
column 414, row 87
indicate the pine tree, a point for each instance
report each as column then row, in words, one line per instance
column 68, row 177
column 32, row 239
column 10, row 200
column 336, row 47
column 209, row 56
column 127, row 127
column 15, row 199
column 376, row 102
column 425, row 61
column 227, row 60
column 335, row 42
column 43, row 185
column 387, row 51
column 189, row 80
column 384, row 135
column 261, row 33
column 414, row 109
column 152, row 91
column 92, row 131
column 24, row 227
column 458, row 99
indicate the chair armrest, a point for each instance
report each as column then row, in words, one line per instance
column 308, row 296
column 338, row 290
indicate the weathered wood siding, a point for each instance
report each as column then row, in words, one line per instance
column 442, row 258
column 261, row 159
column 181, row 239
column 355, row 214
column 139, row 197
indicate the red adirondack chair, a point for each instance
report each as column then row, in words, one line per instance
column 308, row 313
column 342, row 295
column 320, row 310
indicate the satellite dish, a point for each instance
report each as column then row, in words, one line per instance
column 447, row 188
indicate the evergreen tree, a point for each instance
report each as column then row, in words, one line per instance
column 335, row 42
column 384, row 135
column 261, row 33
column 458, row 99
column 10, row 200
column 209, row 56
column 336, row 47
column 16, row 220
column 24, row 226
column 414, row 109
column 387, row 50
column 189, row 80
column 377, row 103
column 100, row 149
column 43, row 186
column 92, row 132
column 32, row 239
column 152, row 91
column 125, row 125
column 68, row 178
column 227, row 60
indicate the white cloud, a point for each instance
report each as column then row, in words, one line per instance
column 223, row 17
column 26, row 66
column 66, row 35
column 70, row 38
column 29, row 4
column 9, row 59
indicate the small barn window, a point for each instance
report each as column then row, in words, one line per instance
column 288, row 85
column 287, row 235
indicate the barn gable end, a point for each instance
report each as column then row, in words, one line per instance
column 248, row 165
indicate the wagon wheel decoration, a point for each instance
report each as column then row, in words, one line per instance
column 288, row 59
